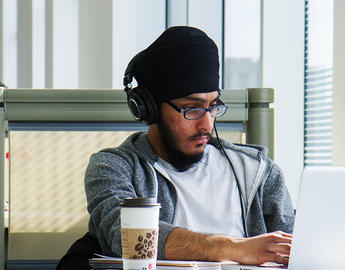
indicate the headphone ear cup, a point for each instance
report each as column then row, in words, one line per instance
column 150, row 104
column 136, row 105
column 142, row 105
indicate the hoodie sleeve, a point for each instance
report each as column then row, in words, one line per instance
column 107, row 183
column 110, row 178
column 277, row 205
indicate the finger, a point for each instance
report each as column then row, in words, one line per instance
column 271, row 257
column 277, row 238
column 280, row 248
column 284, row 234
column 284, row 240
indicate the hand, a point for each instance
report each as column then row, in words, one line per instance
column 271, row 247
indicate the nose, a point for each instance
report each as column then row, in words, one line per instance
column 205, row 123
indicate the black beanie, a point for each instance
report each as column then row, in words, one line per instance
column 180, row 62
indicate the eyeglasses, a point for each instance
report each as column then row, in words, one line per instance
column 197, row 113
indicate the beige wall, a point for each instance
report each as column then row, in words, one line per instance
column 338, row 137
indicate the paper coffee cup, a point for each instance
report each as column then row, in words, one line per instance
column 139, row 233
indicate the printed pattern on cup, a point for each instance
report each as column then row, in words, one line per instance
column 139, row 244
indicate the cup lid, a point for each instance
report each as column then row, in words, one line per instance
column 140, row 202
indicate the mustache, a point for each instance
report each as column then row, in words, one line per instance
column 201, row 134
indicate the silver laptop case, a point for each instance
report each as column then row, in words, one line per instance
column 319, row 230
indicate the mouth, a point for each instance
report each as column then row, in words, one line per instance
column 201, row 138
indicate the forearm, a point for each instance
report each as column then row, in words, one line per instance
column 182, row 244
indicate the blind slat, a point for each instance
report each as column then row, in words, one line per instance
column 318, row 86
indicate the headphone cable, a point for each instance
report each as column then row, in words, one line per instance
column 235, row 176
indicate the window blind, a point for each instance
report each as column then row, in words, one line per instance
column 318, row 84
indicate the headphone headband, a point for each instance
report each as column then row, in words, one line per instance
column 130, row 70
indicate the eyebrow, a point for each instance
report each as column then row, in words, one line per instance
column 200, row 99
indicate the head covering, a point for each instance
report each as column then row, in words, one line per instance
column 180, row 62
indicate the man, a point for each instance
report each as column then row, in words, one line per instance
column 220, row 201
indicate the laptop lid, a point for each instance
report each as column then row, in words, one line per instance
column 319, row 230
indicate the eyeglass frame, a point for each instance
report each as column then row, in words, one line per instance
column 220, row 104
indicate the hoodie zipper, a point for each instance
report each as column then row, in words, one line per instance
column 156, row 179
column 257, row 182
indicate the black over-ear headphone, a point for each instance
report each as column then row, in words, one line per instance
column 140, row 102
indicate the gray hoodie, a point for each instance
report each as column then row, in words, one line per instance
column 128, row 171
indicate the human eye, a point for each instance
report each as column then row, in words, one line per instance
column 194, row 113
column 215, row 103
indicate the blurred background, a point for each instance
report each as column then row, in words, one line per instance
column 293, row 46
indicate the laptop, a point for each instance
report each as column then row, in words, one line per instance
column 319, row 231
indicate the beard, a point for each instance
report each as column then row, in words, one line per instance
column 180, row 160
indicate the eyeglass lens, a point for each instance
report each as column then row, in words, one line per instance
column 196, row 113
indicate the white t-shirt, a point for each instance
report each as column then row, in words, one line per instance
column 208, row 200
